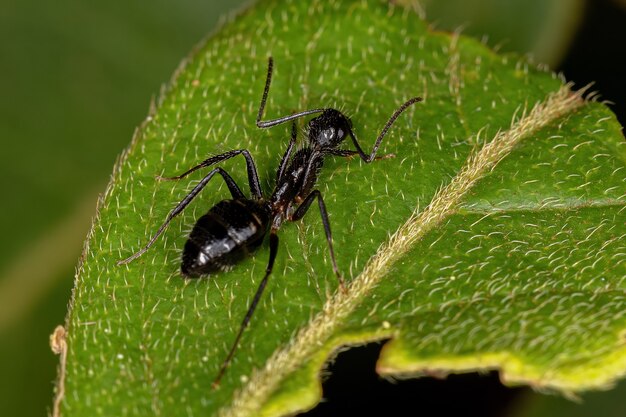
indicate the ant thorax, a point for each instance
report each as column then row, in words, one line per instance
column 298, row 179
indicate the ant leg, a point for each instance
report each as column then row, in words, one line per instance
column 392, row 119
column 301, row 211
column 253, row 177
column 347, row 153
column 344, row 153
column 251, row 308
column 285, row 160
column 269, row 123
column 232, row 186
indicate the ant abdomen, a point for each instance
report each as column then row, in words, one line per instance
column 225, row 235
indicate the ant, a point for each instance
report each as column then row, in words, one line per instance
column 234, row 228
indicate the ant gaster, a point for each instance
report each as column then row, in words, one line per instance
column 234, row 228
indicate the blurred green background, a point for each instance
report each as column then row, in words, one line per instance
column 76, row 78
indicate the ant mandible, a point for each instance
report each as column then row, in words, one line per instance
column 234, row 228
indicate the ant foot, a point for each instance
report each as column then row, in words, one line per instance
column 387, row 156
column 161, row 178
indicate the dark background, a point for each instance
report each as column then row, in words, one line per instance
column 597, row 53
column 75, row 80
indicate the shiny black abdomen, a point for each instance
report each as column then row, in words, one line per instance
column 226, row 234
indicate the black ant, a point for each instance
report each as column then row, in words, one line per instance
column 234, row 228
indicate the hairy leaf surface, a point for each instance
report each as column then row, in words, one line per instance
column 494, row 239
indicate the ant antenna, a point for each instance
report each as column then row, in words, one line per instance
column 269, row 123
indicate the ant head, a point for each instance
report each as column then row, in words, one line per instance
column 329, row 129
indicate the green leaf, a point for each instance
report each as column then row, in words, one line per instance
column 494, row 239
